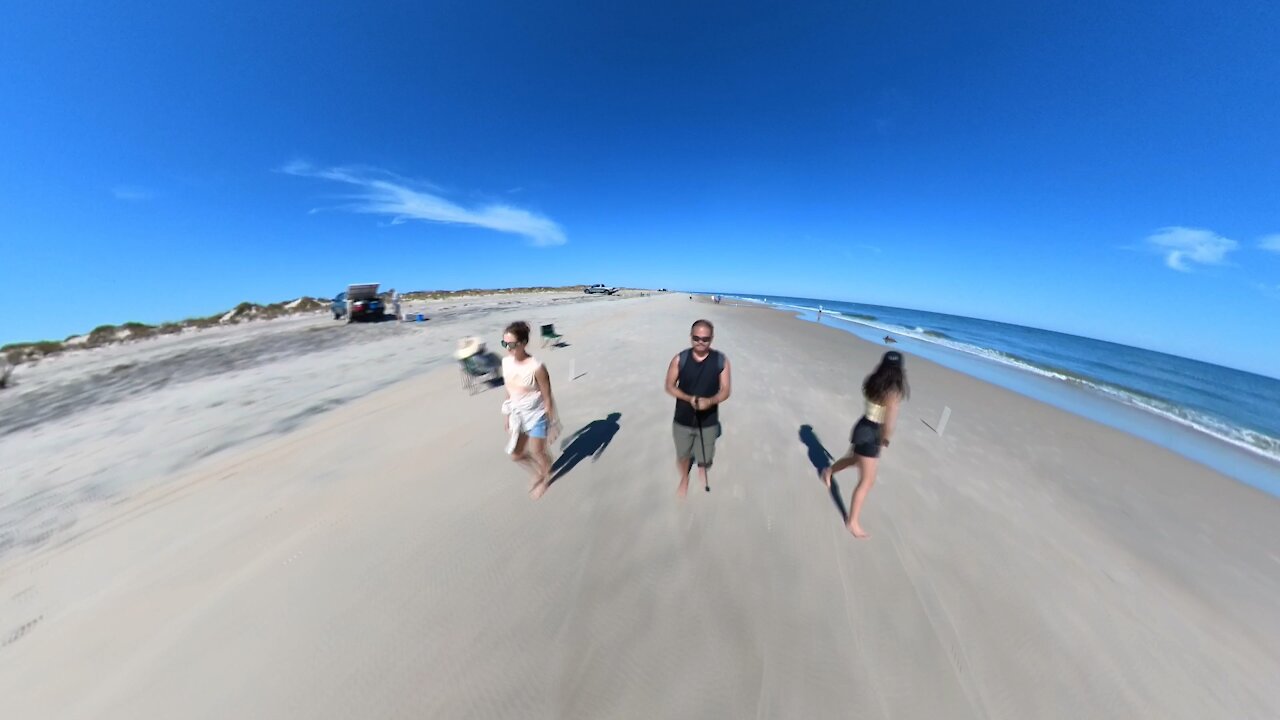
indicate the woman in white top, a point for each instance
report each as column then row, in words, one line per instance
column 529, row 411
column 883, row 391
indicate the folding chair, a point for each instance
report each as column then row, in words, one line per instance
column 549, row 335
column 479, row 371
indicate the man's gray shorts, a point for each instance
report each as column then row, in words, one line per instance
column 690, row 445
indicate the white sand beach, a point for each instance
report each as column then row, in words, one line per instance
column 299, row 518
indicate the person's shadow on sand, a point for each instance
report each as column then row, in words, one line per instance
column 821, row 459
column 588, row 442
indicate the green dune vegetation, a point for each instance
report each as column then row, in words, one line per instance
column 26, row 352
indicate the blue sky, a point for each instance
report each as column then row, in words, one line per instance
column 1110, row 172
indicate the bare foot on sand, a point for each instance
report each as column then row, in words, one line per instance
column 538, row 489
column 826, row 476
column 683, row 489
column 858, row 532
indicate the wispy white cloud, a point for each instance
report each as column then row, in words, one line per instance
column 1270, row 242
column 1182, row 246
column 1271, row 291
column 131, row 193
column 382, row 193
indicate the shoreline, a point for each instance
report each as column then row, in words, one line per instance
column 1245, row 463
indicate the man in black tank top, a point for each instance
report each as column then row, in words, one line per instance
column 698, row 378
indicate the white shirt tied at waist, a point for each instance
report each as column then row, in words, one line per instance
column 524, row 413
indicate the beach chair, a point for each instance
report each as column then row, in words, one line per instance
column 480, row 372
column 480, row 369
column 549, row 335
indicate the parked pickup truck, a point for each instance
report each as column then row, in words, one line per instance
column 598, row 289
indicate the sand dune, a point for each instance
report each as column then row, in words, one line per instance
column 378, row 557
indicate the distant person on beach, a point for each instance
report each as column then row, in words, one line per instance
column 819, row 313
column 698, row 378
column 529, row 410
column 884, row 389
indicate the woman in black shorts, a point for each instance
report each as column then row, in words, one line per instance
column 884, row 390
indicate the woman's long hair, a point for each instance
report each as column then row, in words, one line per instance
column 888, row 377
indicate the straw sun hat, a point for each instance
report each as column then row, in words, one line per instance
column 468, row 347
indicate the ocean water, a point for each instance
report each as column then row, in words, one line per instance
column 1231, row 406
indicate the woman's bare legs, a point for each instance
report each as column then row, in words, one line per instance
column 542, row 463
column 866, row 478
column 521, row 457
column 841, row 464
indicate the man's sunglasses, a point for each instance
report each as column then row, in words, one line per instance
column 508, row 345
column 701, row 338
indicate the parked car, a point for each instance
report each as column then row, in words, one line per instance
column 363, row 303
column 599, row 289
column 339, row 305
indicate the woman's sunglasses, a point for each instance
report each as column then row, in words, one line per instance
column 508, row 345
column 701, row 338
